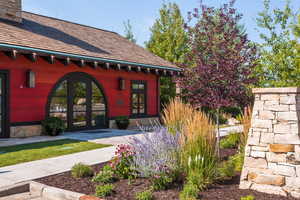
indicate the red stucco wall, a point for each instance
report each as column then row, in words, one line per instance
column 29, row 104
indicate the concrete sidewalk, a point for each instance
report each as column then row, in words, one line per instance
column 36, row 169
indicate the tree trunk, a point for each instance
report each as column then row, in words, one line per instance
column 218, row 133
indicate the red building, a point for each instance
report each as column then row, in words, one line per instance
column 84, row 75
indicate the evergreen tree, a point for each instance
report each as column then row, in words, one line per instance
column 168, row 41
column 128, row 31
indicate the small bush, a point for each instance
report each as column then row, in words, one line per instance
column 249, row 197
column 80, row 170
column 104, row 190
column 238, row 160
column 122, row 162
column 162, row 181
column 230, row 141
column 144, row 195
column 106, row 175
column 53, row 126
column 226, row 170
column 190, row 192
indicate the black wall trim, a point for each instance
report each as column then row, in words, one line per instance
column 26, row 123
column 6, row 105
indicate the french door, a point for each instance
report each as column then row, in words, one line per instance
column 80, row 102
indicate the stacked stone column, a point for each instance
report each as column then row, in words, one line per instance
column 272, row 153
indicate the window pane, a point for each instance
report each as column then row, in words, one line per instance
column 80, row 89
column 79, row 119
column 98, row 103
column 135, row 86
column 141, row 86
column 96, row 91
column 58, row 104
column 134, row 111
column 61, row 91
column 79, row 104
column 98, row 118
column 142, row 98
column 142, row 111
column 135, row 98
column 61, row 115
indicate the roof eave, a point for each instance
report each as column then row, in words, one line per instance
column 76, row 56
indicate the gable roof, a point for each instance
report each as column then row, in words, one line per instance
column 46, row 33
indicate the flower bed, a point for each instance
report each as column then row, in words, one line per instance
column 176, row 161
column 227, row 190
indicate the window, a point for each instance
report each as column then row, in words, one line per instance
column 138, row 98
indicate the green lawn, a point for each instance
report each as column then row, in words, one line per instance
column 36, row 151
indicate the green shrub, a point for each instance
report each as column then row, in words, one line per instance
column 226, row 170
column 190, row 192
column 230, row 141
column 106, row 175
column 144, row 195
column 238, row 160
column 249, row 197
column 80, row 170
column 53, row 126
column 122, row 162
column 104, row 190
column 122, row 122
column 162, row 181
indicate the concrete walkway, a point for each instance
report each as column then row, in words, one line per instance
column 36, row 169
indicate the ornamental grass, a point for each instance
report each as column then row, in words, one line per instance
column 197, row 140
column 245, row 120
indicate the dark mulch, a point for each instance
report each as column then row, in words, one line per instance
column 227, row 190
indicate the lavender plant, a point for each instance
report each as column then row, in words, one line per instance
column 155, row 151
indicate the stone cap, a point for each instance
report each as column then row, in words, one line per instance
column 282, row 90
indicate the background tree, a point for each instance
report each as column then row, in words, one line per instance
column 279, row 61
column 168, row 41
column 222, row 57
column 128, row 31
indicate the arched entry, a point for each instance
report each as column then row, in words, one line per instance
column 79, row 100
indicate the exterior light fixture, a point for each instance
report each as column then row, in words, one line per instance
column 30, row 79
column 122, row 84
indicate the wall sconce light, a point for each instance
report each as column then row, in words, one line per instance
column 122, row 84
column 30, row 79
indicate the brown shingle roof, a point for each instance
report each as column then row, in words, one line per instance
column 47, row 33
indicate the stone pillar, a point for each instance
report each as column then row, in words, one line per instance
column 272, row 153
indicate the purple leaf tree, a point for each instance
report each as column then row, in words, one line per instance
column 221, row 59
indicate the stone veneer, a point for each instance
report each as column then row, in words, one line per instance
column 25, row 131
column 272, row 153
column 134, row 122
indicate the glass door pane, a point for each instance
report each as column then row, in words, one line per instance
column 79, row 103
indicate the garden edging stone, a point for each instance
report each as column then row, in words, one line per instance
column 53, row 193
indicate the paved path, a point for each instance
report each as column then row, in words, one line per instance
column 36, row 169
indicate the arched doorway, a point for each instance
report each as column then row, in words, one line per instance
column 79, row 100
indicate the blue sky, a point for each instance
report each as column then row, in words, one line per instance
column 110, row 15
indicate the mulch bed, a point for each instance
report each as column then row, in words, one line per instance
column 227, row 190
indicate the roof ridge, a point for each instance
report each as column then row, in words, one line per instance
column 70, row 22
